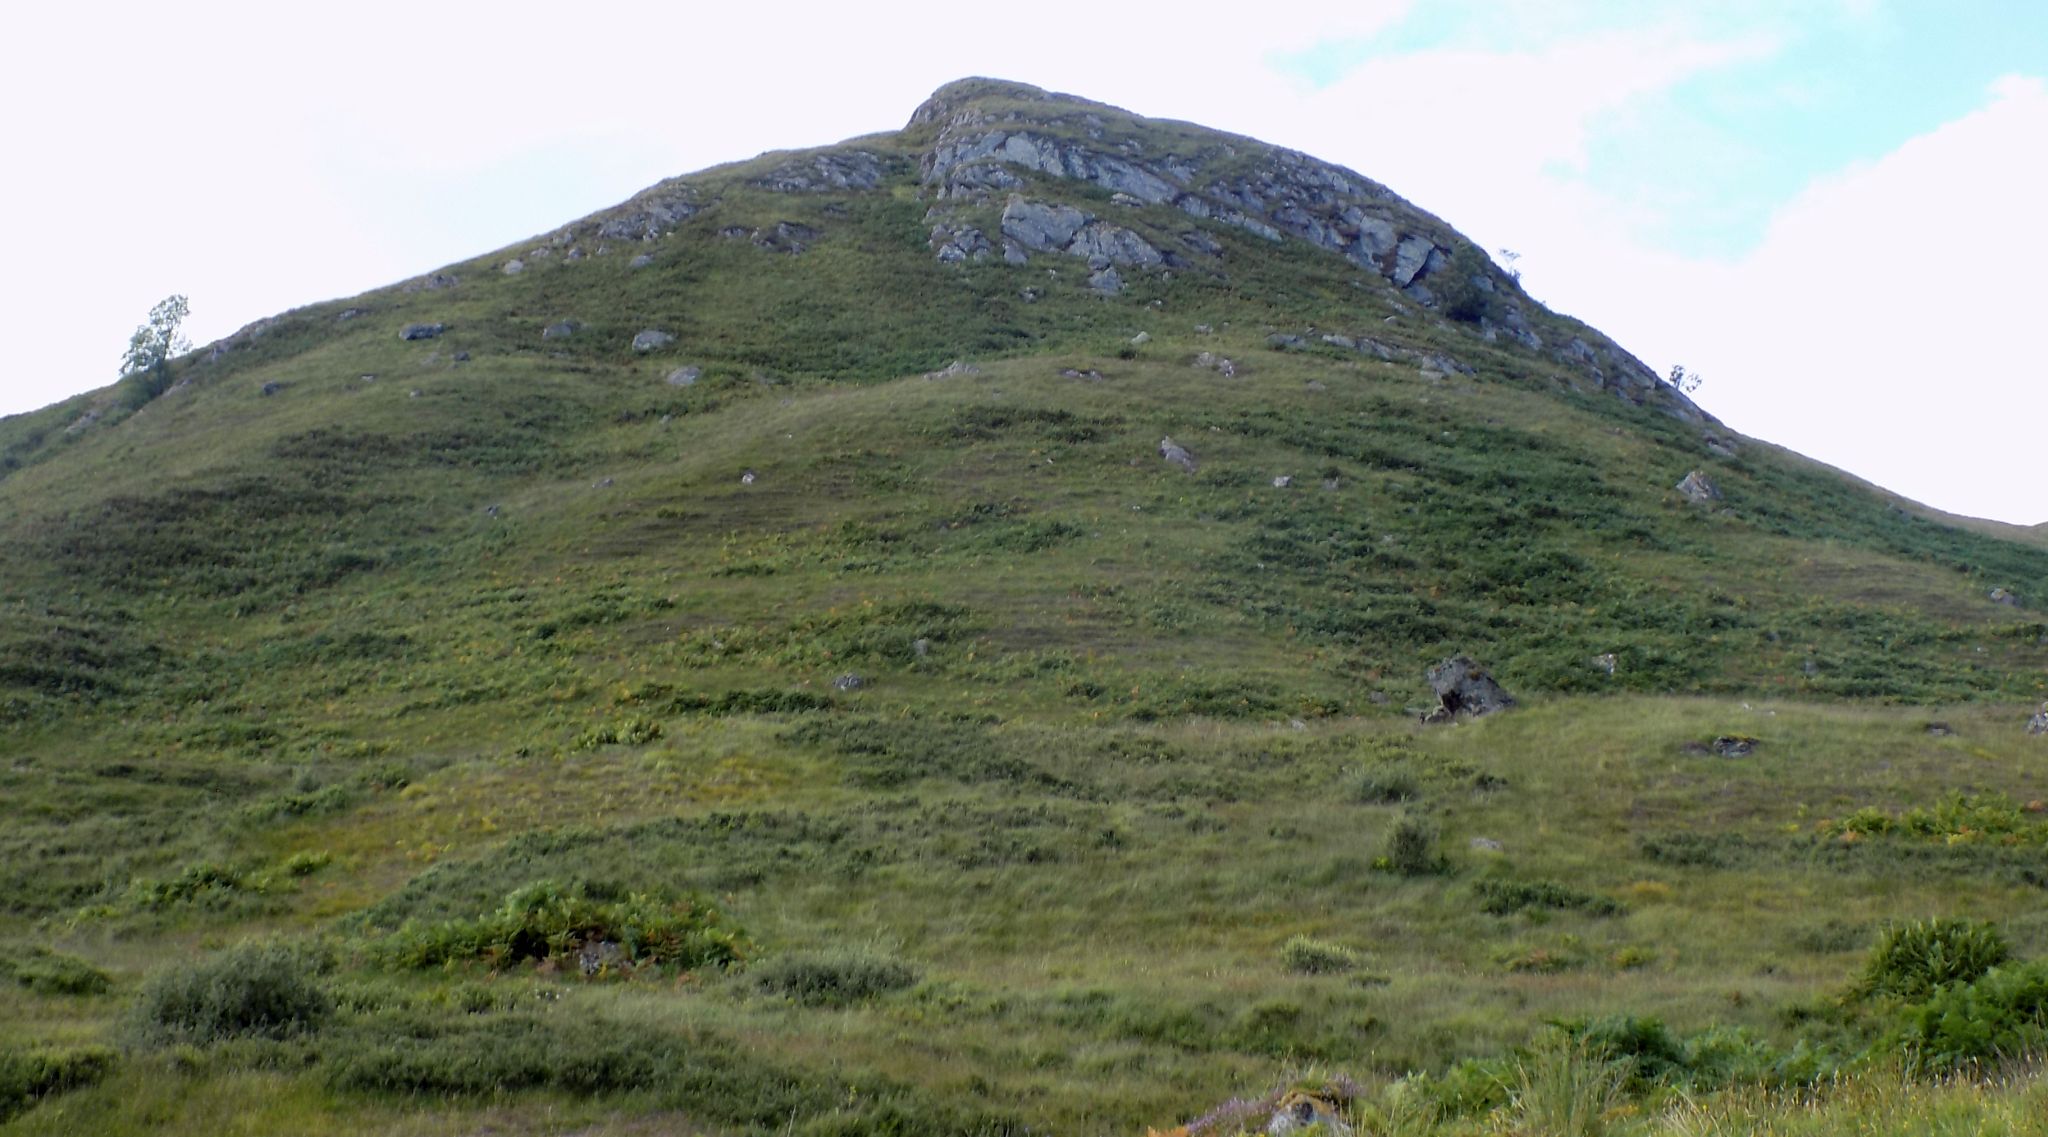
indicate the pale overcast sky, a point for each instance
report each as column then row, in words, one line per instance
column 1831, row 209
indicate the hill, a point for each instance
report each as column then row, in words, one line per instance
column 934, row 626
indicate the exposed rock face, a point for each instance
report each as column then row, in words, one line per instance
column 2038, row 725
column 684, row 376
column 421, row 331
column 822, row 173
column 432, row 282
column 1037, row 225
column 2003, row 596
column 1697, row 488
column 650, row 214
column 784, row 237
column 1463, row 687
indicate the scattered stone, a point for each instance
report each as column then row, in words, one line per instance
column 1141, row 339
column 685, row 376
column 1125, row 200
column 596, row 957
column 849, row 682
column 270, row 388
column 1177, row 454
column 1210, row 361
column 1283, row 481
column 1039, row 226
column 575, row 254
column 413, row 394
column 421, row 331
column 640, row 260
column 822, row 173
column 513, row 267
column 1283, row 341
column 432, row 282
column 651, row 339
column 83, row 421
column 490, row 511
column 1091, row 375
column 1810, row 667
column 957, row 367
column 1698, row 488
column 1316, row 385
column 921, row 648
column 1605, row 662
column 2038, row 725
column 367, row 378
column 2001, row 596
column 1345, row 342
column 460, row 357
column 1463, row 687
column 1013, row 253
column 1486, row 845
column 1939, row 729
column 348, row 314
column 747, row 477
column 1106, row 280
column 1333, row 484
column 601, row 484
column 560, row 330
column 1300, row 1112
column 1204, row 329
column 1733, row 746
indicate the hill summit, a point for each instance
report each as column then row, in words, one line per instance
column 932, row 634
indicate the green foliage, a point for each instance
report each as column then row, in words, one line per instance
column 48, row 972
column 28, row 1076
column 628, row 732
column 256, row 990
column 1911, row 961
column 831, row 979
column 1566, row 1088
column 1998, row 1016
column 1957, row 819
column 1306, row 956
column 552, row 921
column 1506, row 897
column 1411, row 847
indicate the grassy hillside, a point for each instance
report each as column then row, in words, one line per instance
column 908, row 748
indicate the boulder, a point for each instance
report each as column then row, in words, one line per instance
column 559, row 330
column 1177, row 454
column 1733, row 746
column 2038, row 725
column 849, row 682
column 421, row 331
column 651, row 340
column 957, row 367
column 1039, row 226
column 1283, row 481
column 684, row 376
column 1299, row 1112
column 2002, row 596
column 1106, row 281
column 1698, row 488
column 640, row 260
column 1463, row 687
column 514, row 267
column 270, row 388
column 1605, row 662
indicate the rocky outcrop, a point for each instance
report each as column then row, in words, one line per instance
column 421, row 331
column 1698, row 488
column 650, row 214
column 823, row 173
column 1464, row 688
column 1044, row 227
column 1176, row 454
column 652, row 340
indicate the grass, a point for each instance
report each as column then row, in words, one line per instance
column 1092, row 844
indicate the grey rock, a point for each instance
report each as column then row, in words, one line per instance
column 921, row 648
column 1485, row 845
column 1285, row 341
column 822, row 173
column 684, row 376
column 957, row 367
column 559, row 330
column 1283, row 481
column 651, row 340
column 1091, row 376
column 1733, row 746
column 83, row 421
column 784, row 237
column 1298, row 1113
column 1210, row 361
column 748, row 477
column 1939, row 730
column 1177, row 454
column 1114, row 245
column 270, row 388
column 349, row 314
column 1333, row 484
column 575, row 254
column 513, row 267
column 1013, row 253
column 432, row 282
column 849, row 682
column 640, row 260
column 1106, row 281
column 1141, row 339
column 1463, row 687
column 1202, row 243
column 1343, row 341
column 2001, row 596
column 421, row 331
column 460, row 357
column 601, row 484
column 1698, row 488
column 1315, row 385
column 1409, row 258
column 1040, row 226
column 651, row 214
column 1605, row 662
column 489, row 510
column 2038, row 725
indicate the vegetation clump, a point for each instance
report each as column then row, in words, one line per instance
column 1306, row 956
column 48, row 972
column 256, row 990
column 548, row 920
column 1911, row 961
column 832, row 978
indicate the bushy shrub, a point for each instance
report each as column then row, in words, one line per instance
column 1386, row 786
column 1307, row 956
column 256, row 990
column 549, row 920
column 1911, row 960
column 2002, row 1016
column 832, row 979
column 1411, row 847
column 1505, row 897
column 631, row 732
column 27, row 1077
column 49, row 972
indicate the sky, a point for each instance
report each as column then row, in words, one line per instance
column 1830, row 210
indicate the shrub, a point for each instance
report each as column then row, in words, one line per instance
column 1506, row 897
column 2002, row 1016
column 631, row 732
column 1411, row 847
column 27, row 1077
column 548, row 920
column 832, row 979
column 1912, row 960
column 1306, row 956
column 1567, row 1088
column 52, row 973
column 1385, row 787
column 255, row 990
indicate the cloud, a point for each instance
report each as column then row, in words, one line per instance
column 1885, row 323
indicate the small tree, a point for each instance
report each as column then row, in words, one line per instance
column 1686, row 381
column 153, row 345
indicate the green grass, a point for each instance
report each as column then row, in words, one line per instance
column 1127, row 814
